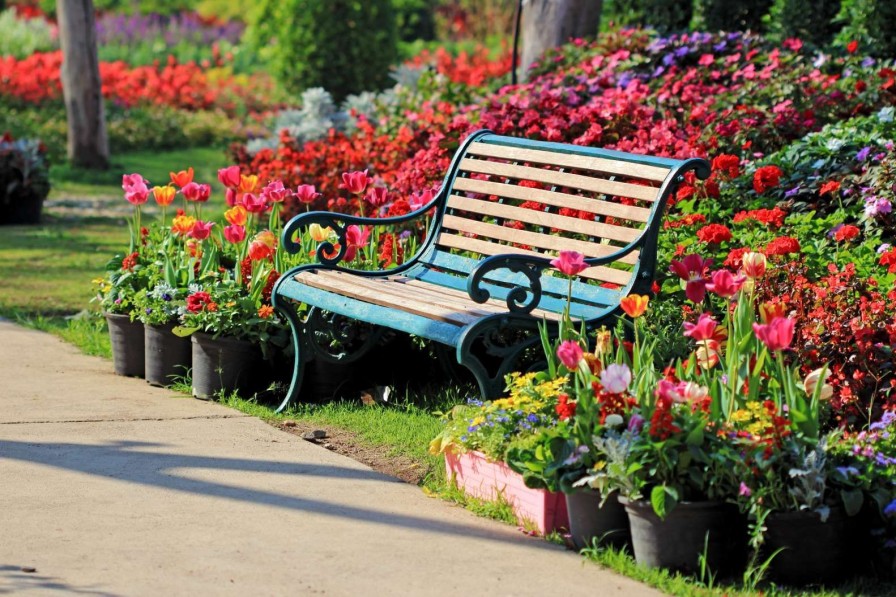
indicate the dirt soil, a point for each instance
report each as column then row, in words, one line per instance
column 349, row 444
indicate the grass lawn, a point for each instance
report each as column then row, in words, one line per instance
column 153, row 165
column 45, row 277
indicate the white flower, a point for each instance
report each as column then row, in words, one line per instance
column 616, row 378
column 614, row 420
column 886, row 114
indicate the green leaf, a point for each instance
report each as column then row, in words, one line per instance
column 663, row 499
column 852, row 501
column 183, row 331
column 695, row 437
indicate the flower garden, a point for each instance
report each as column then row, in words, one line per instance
column 759, row 375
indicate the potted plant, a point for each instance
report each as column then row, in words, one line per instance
column 116, row 292
column 167, row 355
column 24, row 180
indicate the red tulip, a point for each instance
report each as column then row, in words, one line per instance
column 725, row 284
column 201, row 230
column 230, row 176
column 234, row 233
column 377, row 196
column 776, row 334
column 196, row 192
column 306, row 193
column 570, row 262
column 703, row 330
column 355, row 182
column 253, row 203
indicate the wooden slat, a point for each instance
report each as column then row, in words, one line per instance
column 541, row 218
column 580, row 162
column 606, row 274
column 412, row 296
column 560, row 179
column 349, row 287
column 595, row 206
column 549, row 242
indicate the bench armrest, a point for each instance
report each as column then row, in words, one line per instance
column 531, row 267
column 339, row 223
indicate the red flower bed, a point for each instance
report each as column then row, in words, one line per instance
column 476, row 68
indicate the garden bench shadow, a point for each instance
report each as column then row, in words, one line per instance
column 481, row 282
column 158, row 469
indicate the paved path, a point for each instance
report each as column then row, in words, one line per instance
column 111, row 487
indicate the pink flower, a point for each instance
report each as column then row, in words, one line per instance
column 692, row 269
column 306, row 193
column 744, row 490
column 355, row 238
column 777, row 334
column 253, row 203
column 201, row 230
column 570, row 353
column 231, row 196
column 725, row 284
column 275, row 192
column 616, row 378
column 355, row 182
column 377, row 196
column 129, row 180
column 230, row 176
column 136, row 189
column 702, row 330
column 570, row 262
column 196, row 192
column 235, row 233
column 418, row 200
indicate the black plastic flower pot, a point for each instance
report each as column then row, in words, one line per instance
column 224, row 364
column 128, row 349
column 691, row 530
column 167, row 356
column 589, row 520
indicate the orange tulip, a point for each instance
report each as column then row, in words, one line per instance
column 769, row 311
column 182, row 178
column 236, row 215
column 182, row 225
column 164, row 195
column 248, row 183
column 634, row 305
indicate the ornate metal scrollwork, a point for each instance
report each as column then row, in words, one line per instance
column 520, row 299
column 339, row 339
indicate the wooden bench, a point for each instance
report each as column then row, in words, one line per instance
column 482, row 281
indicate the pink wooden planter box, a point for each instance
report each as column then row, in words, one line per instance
column 482, row 478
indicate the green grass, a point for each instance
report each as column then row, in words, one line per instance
column 68, row 181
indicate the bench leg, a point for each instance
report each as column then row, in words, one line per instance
column 500, row 360
column 286, row 309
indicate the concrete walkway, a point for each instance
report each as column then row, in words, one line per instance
column 111, row 487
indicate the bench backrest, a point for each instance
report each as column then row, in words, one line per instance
column 510, row 195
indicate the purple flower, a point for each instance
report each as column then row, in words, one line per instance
column 890, row 510
column 868, row 62
column 636, row 423
column 877, row 206
column 794, row 191
column 883, row 248
column 834, row 230
column 863, row 153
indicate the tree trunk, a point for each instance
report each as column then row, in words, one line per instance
column 88, row 145
column 551, row 23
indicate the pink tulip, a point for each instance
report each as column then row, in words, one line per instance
column 777, row 334
column 275, row 192
column 692, row 269
column 616, row 378
column 253, row 203
column 234, row 233
column 306, row 193
column 196, row 192
column 231, row 196
column 702, row 330
column 355, row 182
column 355, row 238
column 377, row 196
column 418, row 200
column 230, row 176
column 570, row 353
column 201, row 230
column 136, row 188
column 570, row 262
column 725, row 284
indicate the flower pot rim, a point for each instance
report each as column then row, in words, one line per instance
column 198, row 337
column 697, row 505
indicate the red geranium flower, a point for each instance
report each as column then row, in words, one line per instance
column 765, row 178
column 830, row 186
column 770, row 217
column 782, row 245
column 197, row 301
column 727, row 163
column 714, row 233
column 889, row 259
column 846, row 232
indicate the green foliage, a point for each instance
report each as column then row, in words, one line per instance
column 872, row 23
column 809, row 20
column 344, row 46
column 414, row 19
column 164, row 7
column 725, row 15
column 228, row 10
column 662, row 15
column 23, row 37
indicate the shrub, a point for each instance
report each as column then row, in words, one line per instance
column 725, row 15
column 24, row 179
column 809, row 20
column 662, row 15
column 344, row 46
column 21, row 37
column 871, row 21
column 414, row 19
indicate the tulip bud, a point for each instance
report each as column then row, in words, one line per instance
column 811, row 383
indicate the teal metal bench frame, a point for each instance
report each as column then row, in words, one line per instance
column 515, row 278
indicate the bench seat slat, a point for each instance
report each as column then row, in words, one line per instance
column 633, row 213
column 542, row 218
column 579, row 162
column 560, row 179
column 600, row 272
column 525, row 237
